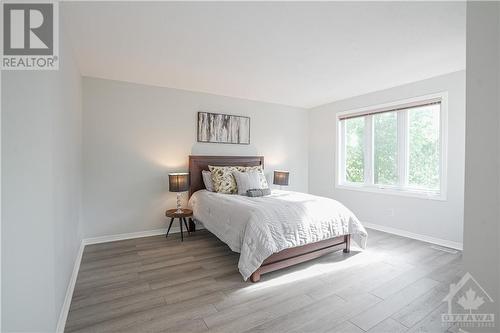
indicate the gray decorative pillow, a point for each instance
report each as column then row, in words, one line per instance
column 207, row 180
column 259, row 169
column 259, row 192
column 247, row 180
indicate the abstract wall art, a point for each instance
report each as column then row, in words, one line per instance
column 223, row 128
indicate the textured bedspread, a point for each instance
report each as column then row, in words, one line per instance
column 259, row 227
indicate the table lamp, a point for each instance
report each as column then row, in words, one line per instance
column 281, row 178
column 178, row 182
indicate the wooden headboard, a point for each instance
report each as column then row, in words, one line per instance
column 199, row 163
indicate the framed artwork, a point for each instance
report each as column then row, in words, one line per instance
column 223, row 128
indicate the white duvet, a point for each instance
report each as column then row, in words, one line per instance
column 259, row 227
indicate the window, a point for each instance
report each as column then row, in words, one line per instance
column 397, row 148
column 355, row 147
column 385, row 148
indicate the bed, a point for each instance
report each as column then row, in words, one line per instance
column 271, row 232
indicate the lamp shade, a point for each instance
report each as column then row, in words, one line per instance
column 178, row 182
column 281, row 177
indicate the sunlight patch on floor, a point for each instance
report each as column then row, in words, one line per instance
column 314, row 270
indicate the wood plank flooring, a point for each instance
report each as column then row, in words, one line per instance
column 154, row 284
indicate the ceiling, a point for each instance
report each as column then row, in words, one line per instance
column 293, row 53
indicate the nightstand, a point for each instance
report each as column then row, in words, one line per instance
column 173, row 214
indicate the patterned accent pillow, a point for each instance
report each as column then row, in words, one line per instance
column 223, row 179
column 258, row 168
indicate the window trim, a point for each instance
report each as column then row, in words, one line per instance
column 368, row 185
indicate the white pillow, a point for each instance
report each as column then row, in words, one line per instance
column 207, row 180
column 247, row 181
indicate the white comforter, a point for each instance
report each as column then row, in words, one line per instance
column 259, row 227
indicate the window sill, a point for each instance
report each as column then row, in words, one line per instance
column 393, row 191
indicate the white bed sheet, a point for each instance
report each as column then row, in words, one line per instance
column 258, row 227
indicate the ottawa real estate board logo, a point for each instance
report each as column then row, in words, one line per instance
column 469, row 305
column 30, row 35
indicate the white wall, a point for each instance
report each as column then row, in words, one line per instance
column 41, row 192
column 134, row 135
column 482, row 179
column 441, row 220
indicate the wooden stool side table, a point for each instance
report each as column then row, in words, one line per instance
column 173, row 214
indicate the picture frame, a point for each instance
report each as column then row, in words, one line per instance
column 223, row 128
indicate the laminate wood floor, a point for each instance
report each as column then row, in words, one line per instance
column 154, row 284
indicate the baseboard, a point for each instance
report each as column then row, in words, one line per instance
column 63, row 315
column 424, row 238
column 130, row 235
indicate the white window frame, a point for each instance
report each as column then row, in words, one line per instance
column 404, row 189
